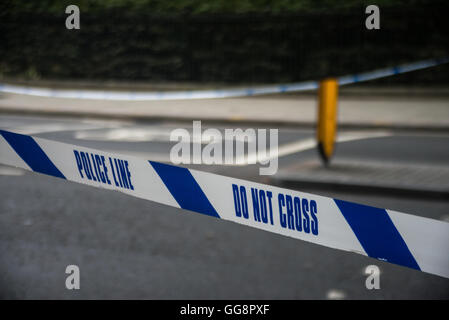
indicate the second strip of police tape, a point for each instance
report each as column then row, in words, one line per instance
column 219, row 93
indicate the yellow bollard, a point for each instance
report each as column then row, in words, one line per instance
column 327, row 118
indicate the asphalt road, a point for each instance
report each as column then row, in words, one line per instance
column 131, row 248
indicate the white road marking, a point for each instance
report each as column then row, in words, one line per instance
column 335, row 294
column 162, row 134
column 310, row 143
column 126, row 135
column 44, row 125
column 142, row 134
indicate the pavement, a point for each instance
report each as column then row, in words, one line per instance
column 380, row 108
column 393, row 177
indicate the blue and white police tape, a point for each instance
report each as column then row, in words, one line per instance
column 399, row 238
column 220, row 93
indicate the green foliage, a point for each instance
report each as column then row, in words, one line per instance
column 117, row 40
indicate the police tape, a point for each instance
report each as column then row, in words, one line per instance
column 220, row 93
column 403, row 239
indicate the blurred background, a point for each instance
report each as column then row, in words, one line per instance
column 392, row 145
column 221, row 41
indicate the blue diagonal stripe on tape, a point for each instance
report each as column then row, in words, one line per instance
column 184, row 188
column 377, row 234
column 31, row 153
